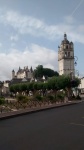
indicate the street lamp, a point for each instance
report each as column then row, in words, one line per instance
column 75, row 60
column 72, row 75
column 76, row 72
column 75, row 63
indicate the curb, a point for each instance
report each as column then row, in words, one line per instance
column 33, row 110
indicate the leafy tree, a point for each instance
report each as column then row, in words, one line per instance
column 40, row 86
column 49, row 72
column 63, row 82
column 14, row 88
column 75, row 82
column 40, row 71
column 23, row 87
column 54, row 83
column 30, row 86
column 45, row 86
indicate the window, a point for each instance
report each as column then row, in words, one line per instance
column 65, row 54
column 68, row 54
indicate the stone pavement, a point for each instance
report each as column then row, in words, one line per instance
column 35, row 109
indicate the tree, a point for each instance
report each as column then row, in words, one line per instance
column 75, row 82
column 40, row 71
column 55, row 83
column 66, row 83
column 49, row 72
column 63, row 82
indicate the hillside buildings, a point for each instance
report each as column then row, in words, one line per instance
column 23, row 73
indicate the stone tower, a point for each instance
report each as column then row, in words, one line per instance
column 66, row 57
column 13, row 74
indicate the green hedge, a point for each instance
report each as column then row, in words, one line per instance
column 2, row 100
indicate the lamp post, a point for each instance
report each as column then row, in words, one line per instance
column 72, row 75
column 75, row 63
column 75, row 60
column 76, row 74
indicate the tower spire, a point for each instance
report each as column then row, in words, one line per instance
column 65, row 36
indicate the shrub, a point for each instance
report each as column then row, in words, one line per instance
column 38, row 97
column 31, row 98
column 60, row 96
column 78, row 97
column 50, row 97
column 73, row 97
column 2, row 100
column 22, row 98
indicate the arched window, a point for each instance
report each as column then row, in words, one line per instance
column 66, row 46
column 65, row 54
column 68, row 54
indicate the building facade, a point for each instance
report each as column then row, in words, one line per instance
column 66, row 57
column 81, row 86
column 23, row 73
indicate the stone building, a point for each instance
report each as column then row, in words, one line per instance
column 23, row 73
column 66, row 57
column 1, row 85
column 81, row 86
column 5, row 87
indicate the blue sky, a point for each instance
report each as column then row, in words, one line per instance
column 31, row 30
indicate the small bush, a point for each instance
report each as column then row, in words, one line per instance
column 31, row 98
column 22, row 98
column 50, row 97
column 38, row 98
column 73, row 97
column 78, row 97
column 60, row 96
column 2, row 100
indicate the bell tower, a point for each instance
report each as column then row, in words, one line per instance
column 66, row 57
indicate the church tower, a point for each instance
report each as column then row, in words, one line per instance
column 66, row 57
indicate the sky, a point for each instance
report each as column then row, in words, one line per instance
column 31, row 30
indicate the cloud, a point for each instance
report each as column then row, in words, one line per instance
column 81, row 28
column 31, row 56
column 14, row 38
column 29, row 25
column 0, row 44
column 69, row 19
